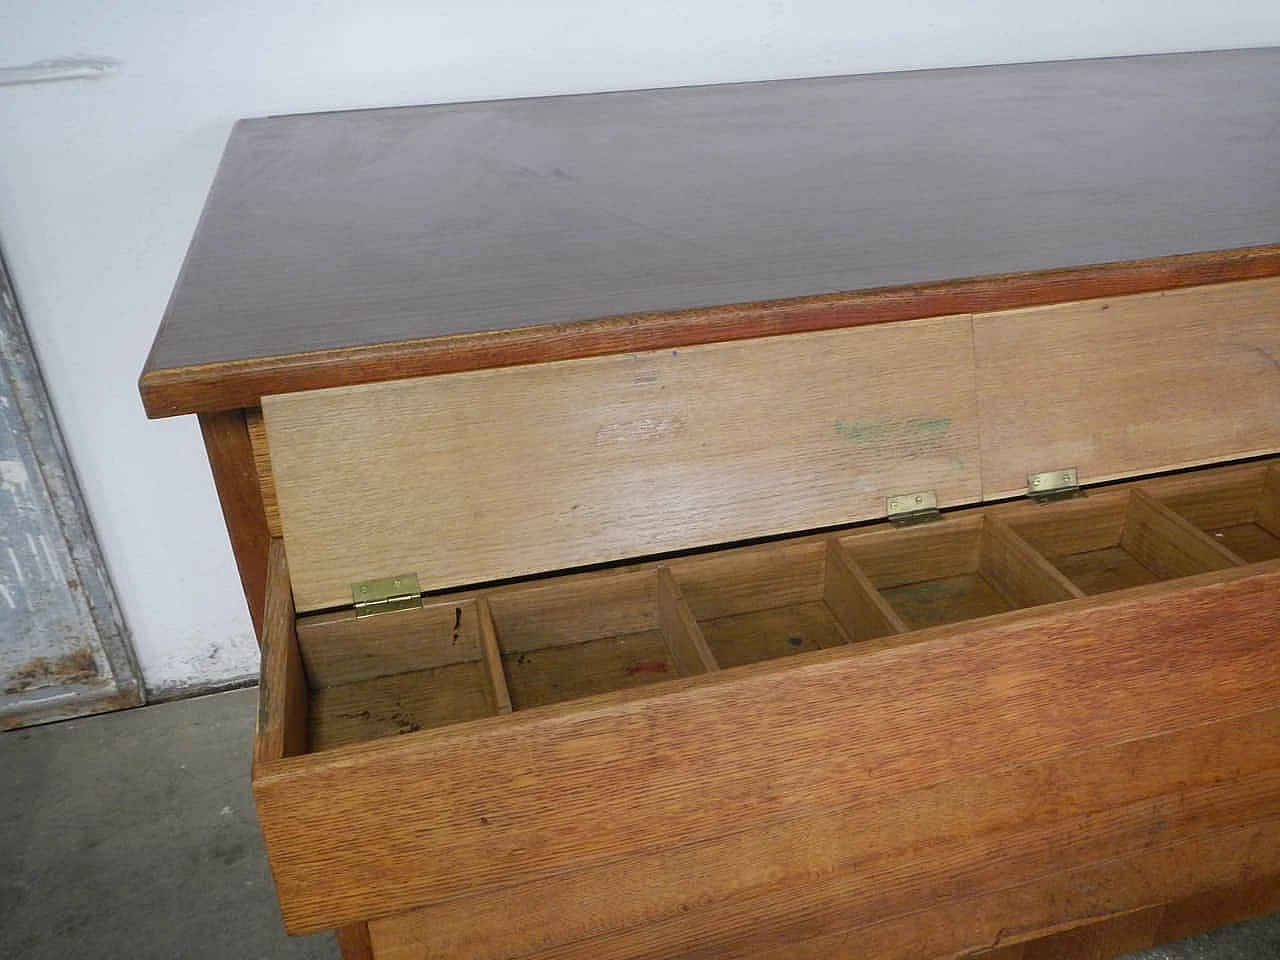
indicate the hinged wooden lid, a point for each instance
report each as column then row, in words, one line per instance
column 485, row 475
column 478, row 476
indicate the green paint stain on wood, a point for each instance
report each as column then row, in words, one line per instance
column 892, row 430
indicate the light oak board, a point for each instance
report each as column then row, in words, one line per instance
column 1124, row 386
column 593, row 460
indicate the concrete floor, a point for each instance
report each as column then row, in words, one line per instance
column 132, row 835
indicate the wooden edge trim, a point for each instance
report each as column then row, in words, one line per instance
column 683, row 634
column 235, row 476
column 282, row 687
column 1019, row 570
column 242, row 383
column 266, row 477
column 857, row 604
column 1179, row 546
column 492, row 657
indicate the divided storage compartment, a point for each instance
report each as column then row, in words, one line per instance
column 518, row 646
column 375, row 676
column 778, row 600
column 573, row 637
column 1120, row 538
column 1239, row 508
column 970, row 566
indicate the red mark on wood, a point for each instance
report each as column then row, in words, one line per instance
column 646, row 666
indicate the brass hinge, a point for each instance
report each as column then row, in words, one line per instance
column 908, row 509
column 386, row 595
column 1053, row 485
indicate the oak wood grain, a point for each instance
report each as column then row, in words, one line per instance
column 235, row 476
column 262, row 463
column 675, row 449
column 342, row 647
column 1124, row 386
column 982, row 833
column 325, row 257
column 768, row 745
column 1069, row 899
column 282, row 689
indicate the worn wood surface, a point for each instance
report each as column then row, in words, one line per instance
column 353, row 835
column 980, row 835
column 1124, row 386
column 568, row 610
column 1067, row 899
column 676, row 449
column 397, row 704
column 342, row 648
column 1103, row 940
column 325, row 257
column 235, row 475
column 282, row 689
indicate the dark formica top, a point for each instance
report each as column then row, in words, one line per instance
column 357, row 246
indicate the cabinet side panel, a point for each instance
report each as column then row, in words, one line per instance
column 1124, row 386
column 471, row 477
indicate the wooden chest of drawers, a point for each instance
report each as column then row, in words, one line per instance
column 556, row 438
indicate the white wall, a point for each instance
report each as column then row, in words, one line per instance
column 101, row 182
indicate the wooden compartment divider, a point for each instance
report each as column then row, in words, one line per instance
column 1118, row 538
column 761, row 603
column 1168, row 544
column 1239, row 508
column 572, row 637
column 855, row 601
column 969, row 566
column 684, row 636
column 492, row 655
column 1269, row 506
column 1020, row 571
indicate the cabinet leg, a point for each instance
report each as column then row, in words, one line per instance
column 226, row 438
column 353, row 940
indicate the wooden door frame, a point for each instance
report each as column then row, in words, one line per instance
column 58, row 690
